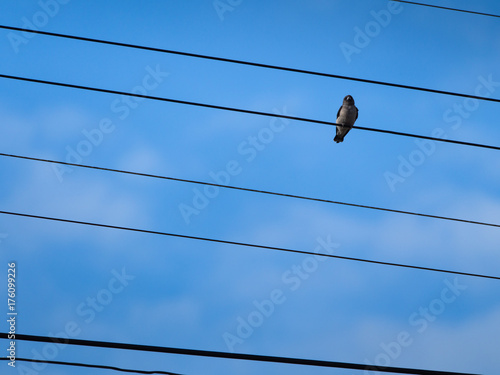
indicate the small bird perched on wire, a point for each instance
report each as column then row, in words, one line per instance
column 346, row 116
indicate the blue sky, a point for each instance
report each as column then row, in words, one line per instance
column 158, row 290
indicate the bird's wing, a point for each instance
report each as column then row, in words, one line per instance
column 357, row 111
column 338, row 113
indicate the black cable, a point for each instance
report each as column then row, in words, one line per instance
column 240, row 110
column 103, row 367
column 225, row 355
column 453, row 9
column 242, row 62
column 233, row 355
column 227, row 242
column 255, row 190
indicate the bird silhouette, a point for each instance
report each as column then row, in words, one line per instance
column 346, row 116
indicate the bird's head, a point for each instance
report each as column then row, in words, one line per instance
column 349, row 100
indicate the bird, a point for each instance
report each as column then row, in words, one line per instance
column 346, row 116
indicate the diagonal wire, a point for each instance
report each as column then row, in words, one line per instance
column 440, row 217
column 87, row 365
column 241, row 110
column 446, row 8
column 249, row 63
column 226, row 355
column 228, row 242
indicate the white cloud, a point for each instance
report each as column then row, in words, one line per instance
column 140, row 158
column 84, row 197
column 469, row 347
column 165, row 316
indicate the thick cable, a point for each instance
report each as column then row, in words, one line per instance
column 226, row 355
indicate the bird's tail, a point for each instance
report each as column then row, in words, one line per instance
column 338, row 138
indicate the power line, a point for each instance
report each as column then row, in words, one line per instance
column 236, row 355
column 103, row 367
column 453, row 9
column 254, row 190
column 228, row 242
column 249, row 63
column 240, row 110
column 225, row 355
